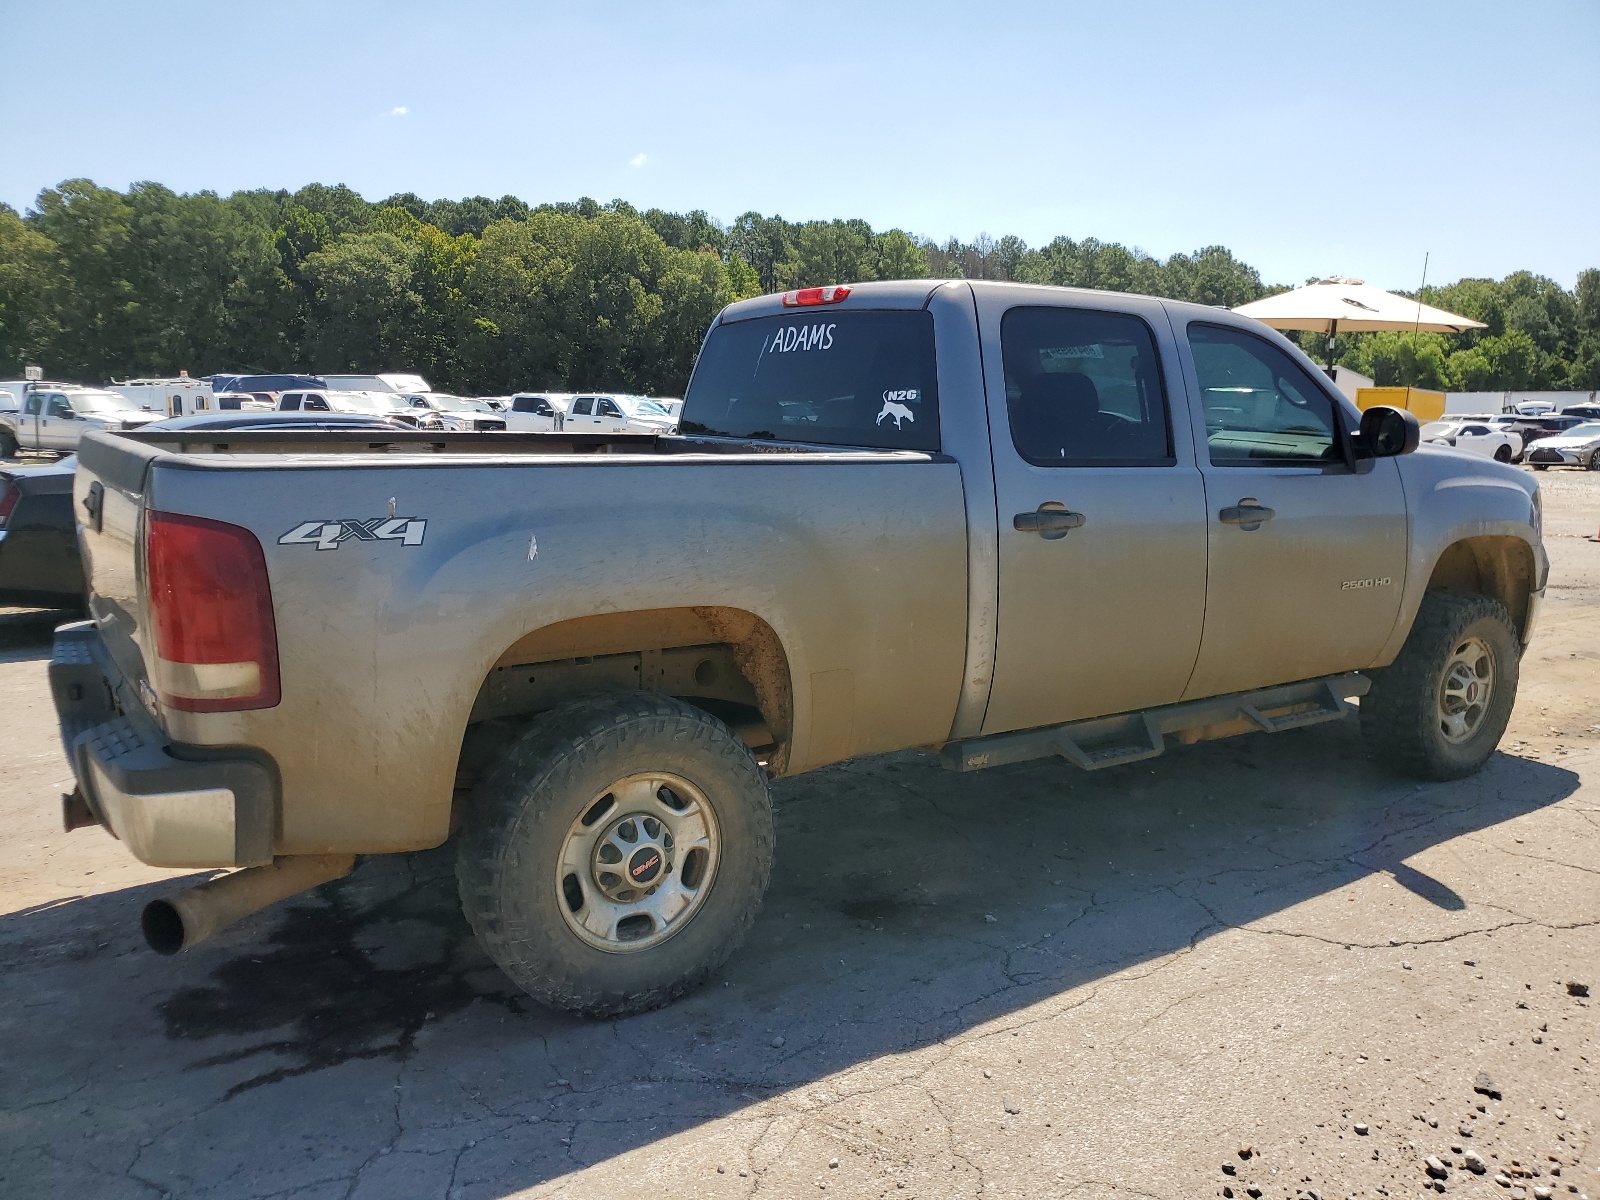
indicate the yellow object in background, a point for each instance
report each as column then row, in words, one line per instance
column 1429, row 406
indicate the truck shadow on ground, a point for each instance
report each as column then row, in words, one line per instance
column 907, row 905
column 25, row 633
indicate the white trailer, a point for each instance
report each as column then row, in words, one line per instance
column 179, row 397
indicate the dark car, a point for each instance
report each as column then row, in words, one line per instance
column 39, row 562
column 1534, row 428
column 274, row 419
column 262, row 383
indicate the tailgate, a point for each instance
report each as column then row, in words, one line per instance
column 108, row 504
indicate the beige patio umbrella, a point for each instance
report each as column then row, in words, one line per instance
column 1340, row 303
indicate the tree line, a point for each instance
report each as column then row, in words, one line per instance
column 488, row 296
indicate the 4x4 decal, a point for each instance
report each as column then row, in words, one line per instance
column 330, row 535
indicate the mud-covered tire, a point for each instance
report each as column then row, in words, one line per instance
column 1403, row 716
column 520, row 825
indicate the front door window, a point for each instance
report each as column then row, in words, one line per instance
column 1261, row 407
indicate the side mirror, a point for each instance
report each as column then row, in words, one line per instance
column 1388, row 432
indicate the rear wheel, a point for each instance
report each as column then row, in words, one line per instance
column 1438, row 711
column 618, row 853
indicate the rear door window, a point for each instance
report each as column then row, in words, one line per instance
column 1083, row 388
column 860, row 378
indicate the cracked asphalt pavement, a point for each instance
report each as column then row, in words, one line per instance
column 1258, row 967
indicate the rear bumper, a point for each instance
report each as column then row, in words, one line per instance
column 173, row 805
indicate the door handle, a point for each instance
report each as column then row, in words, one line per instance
column 1052, row 520
column 1248, row 514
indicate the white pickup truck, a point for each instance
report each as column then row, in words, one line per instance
column 54, row 416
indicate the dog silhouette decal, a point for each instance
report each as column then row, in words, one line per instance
column 893, row 408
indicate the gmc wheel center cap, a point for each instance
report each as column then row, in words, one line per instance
column 644, row 864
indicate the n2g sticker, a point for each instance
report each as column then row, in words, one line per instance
column 330, row 535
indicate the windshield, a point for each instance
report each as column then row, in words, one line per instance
column 458, row 404
column 649, row 408
column 862, row 378
column 355, row 383
column 1587, row 430
column 93, row 402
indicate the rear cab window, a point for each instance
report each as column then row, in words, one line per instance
column 863, row 377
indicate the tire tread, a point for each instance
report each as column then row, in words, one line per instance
column 542, row 761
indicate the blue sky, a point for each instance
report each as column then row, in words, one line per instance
column 1310, row 139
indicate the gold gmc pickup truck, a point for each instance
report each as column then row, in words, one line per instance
column 994, row 520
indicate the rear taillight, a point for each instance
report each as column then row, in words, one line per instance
column 8, row 501
column 211, row 609
column 806, row 297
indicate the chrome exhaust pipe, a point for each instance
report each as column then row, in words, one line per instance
column 189, row 917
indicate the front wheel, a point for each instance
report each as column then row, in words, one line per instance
column 1502, row 454
column 617, row 854
column 1594, row 460
column 1439, row 710
column 8, row 446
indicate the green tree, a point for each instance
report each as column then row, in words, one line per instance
column 30, row 286
column 898, row 256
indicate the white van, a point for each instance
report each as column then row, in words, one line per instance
column 179, row 397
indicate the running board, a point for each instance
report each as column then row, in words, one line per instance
column 1133, row 737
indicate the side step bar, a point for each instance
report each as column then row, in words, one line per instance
column 1132, row 737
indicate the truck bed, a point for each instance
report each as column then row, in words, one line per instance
column 853, row 561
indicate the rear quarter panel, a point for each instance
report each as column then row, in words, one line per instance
column 858, row 565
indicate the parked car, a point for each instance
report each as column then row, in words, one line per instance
column 263, row 387
column 54, row 416
column 229, row 422
column 379, row 404
column 1502, row 445
column 613, row 413
column 1578, row 446
column 385, row 382
column 1535, row 429
column 39, row 562
column 537, row 412
column 1589, row 412
column 438, row 410
column 246, row 401
column 1009, row 521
